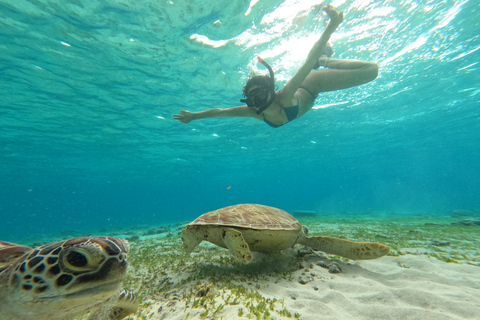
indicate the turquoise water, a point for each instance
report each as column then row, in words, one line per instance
column 88, row 89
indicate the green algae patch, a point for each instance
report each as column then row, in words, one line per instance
column 444, row 238
column 210, row 284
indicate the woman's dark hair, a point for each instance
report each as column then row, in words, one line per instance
column 262, row 81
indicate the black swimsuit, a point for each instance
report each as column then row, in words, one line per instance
column 291, row 112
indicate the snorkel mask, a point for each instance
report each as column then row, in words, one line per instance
column 257, row 98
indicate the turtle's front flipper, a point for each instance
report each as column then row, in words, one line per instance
column 117, row 307
column 235, row 243
column 190, row 240
column 345, row 248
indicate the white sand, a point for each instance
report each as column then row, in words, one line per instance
column 382, row 289
column 405, row 287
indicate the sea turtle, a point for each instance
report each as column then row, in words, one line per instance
column 63, row 279
column 244, row 228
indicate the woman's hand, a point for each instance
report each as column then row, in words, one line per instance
column 335, row 17
column 184, row 116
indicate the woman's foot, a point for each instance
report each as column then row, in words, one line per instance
column 326, row 53
column 328, row 50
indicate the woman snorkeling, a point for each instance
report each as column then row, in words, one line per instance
column 300, row 92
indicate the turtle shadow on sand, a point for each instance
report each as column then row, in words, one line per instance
column 300, row 264
column 282, row 262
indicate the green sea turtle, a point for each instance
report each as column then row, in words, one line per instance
column 244, row 228
column 63, row 279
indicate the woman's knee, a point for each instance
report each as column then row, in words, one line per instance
column 371, row 71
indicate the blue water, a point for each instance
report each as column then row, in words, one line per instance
column 88, row 89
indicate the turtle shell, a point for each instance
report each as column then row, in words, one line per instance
column 10, row 252
column 252, row 216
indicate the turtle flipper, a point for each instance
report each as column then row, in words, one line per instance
column 117, row 307
column 235, row 243
column 190, row 240
column 345, row 248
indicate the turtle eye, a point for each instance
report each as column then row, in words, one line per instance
column 76, row 260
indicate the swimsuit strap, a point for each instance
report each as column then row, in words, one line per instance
column 314, row 96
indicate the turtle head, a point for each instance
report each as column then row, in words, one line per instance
column 305, row 230
column 70, row 276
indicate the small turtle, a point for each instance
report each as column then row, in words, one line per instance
column 244, row 228
column 63, row 279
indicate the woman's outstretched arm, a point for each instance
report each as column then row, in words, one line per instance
column 243, row 111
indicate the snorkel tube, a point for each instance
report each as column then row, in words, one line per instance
column 272, row 75
column 265, row 104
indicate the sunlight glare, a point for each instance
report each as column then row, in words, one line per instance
column 249, row 10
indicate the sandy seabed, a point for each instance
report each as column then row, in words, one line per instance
column 424, row 277
column 406, row 287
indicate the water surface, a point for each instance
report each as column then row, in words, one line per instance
column 88, row 143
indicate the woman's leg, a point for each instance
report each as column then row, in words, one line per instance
column 340, row 74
